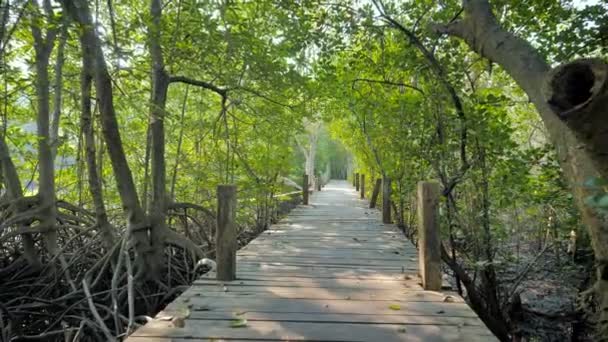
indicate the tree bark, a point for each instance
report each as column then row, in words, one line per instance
column 570, row 101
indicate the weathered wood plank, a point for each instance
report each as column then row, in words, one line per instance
column 342, row 306
column 319, row 293
column 396, row 284
column 394, row 318
column 270, row 330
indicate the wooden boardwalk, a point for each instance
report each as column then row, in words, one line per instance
column 329, row 271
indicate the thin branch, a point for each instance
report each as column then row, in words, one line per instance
column 198, row 83
column 440, row 73
column 398, row 84
column 257, row 93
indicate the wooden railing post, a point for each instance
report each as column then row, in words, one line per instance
column 305, row 189
column 362, row 186
column 225, row 234
column 428, row 235
column 386, row 200
column 357, row 181
column 375, row 193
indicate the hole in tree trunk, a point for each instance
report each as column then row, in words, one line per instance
column 571, row 86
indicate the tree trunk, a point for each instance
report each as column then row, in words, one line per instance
column 179, row 146
column 160, row 88
column 57, row 98
column 137, row 224
column 15, row 192
column 94, row 181
column 571, row 106
column 43, row 45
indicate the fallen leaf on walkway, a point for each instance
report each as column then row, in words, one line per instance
column 238, row 323
column 402, row 330
column 448, row 299
column 178, row 322
column 394, row 307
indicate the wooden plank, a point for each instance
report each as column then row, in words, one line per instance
column 325, row 261
column 400, row 253
column 327, row 244
column 225, row 234
column 306, row 246
column 272, row 275
column 212, row 329
column 291, row 265
column 394, row 317
column 374, row 257
column 343, row 306
column 318, row 293
column 429, row 242
column 323, row 269
column 390, row 283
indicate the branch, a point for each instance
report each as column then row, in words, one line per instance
column 398, row 84
column 223, row 92
column 186, row 205
column 441, row 74
column 197, row 83
column 257, row 93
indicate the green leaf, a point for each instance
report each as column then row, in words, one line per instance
column 238, row 323
column 394, row 307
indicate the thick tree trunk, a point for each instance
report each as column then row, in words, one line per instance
column 91, row 48
column 571, row 107
column 158, row 101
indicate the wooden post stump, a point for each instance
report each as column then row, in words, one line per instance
column 375, row 193
column 305, row 189
column 225, row 234
column 357, row 181
column 362, row 186
column 429, row 250
column 386, row 200
column 354, row 179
